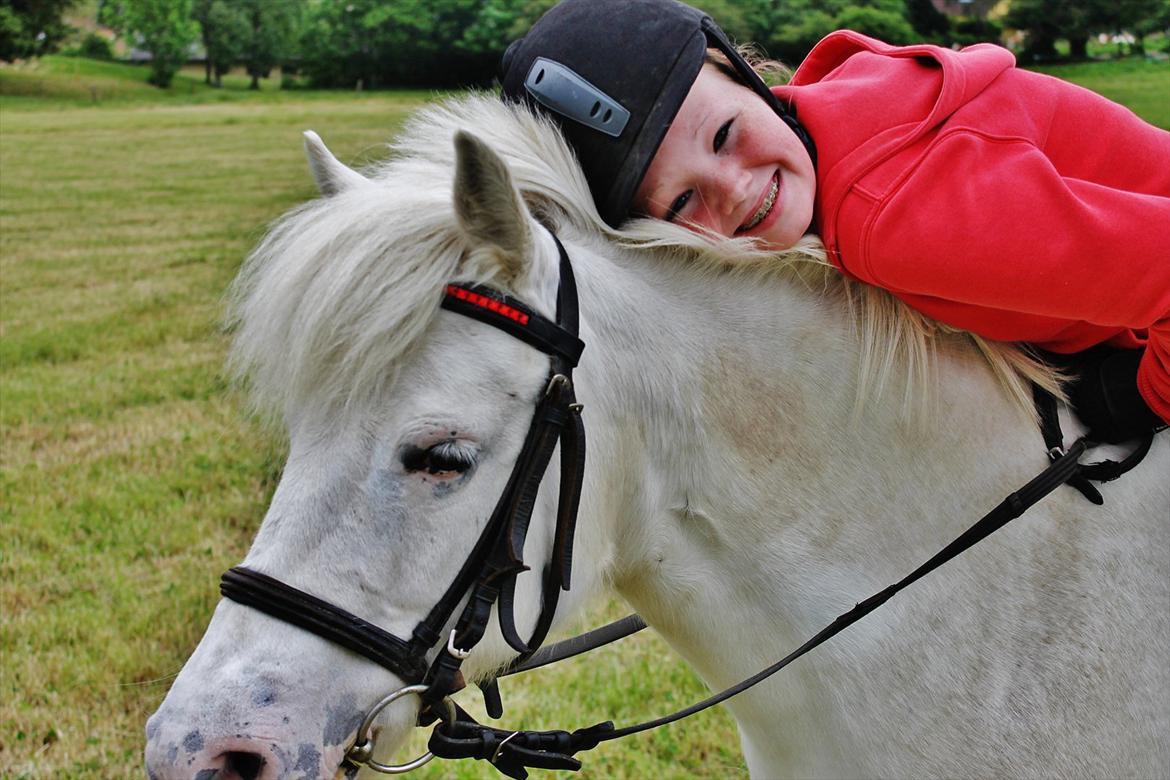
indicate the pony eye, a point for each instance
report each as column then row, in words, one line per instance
column 444, row 458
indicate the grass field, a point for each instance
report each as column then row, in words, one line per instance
column 130, row 478
column 1141, row 84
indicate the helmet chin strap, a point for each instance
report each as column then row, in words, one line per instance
column 788, row 114
column 751, row 79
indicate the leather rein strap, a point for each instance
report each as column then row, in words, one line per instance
column 488, row 576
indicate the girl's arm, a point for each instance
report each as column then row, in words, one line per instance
column 987, row 233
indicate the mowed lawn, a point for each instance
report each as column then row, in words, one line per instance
column 130, row 475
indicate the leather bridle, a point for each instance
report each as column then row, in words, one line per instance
column 488, row 576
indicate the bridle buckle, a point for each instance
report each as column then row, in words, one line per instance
column 559, row 383
column 455, row 651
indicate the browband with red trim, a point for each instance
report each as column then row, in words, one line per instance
column 491, row 304
column 510, row 315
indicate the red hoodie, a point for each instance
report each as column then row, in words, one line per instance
column 1011, row 204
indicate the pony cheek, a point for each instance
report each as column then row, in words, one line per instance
column 385, row 490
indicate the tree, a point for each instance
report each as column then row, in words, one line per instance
column 270, row 32
column 1142, row 17
column 223, row 28
column 879, row 23
column 796, row 25
column 927, row 20
column 491, row 29
column 1046, row 21
column 376, row 43
column 30, row 28
column 164, row 28
column 791, row 41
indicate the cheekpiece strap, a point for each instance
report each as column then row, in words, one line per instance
column 489, row 573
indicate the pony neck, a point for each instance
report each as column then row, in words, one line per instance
column 728, row 458
column 713, row 388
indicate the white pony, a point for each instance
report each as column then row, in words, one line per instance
column 737, row 495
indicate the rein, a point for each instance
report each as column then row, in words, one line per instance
column 488, row 576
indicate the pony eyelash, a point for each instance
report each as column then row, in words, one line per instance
column 455, row 451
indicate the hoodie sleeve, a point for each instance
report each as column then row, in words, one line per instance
column 989, row 228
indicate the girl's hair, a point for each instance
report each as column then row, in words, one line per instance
column 773, row 72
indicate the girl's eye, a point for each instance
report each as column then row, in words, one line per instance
column 446, row 457
column 679, row 204
column 721, row 135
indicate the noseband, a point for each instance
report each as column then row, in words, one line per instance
column 488, row 577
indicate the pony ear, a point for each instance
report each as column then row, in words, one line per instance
column 331, row 174
column 488, row 205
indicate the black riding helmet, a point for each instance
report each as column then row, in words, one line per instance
column 613, row 74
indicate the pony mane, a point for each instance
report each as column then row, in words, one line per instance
column 327, row 305
column 894, row 338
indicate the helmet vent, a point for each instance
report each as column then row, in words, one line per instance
column 561, row 89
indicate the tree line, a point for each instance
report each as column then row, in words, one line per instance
column 441, row 43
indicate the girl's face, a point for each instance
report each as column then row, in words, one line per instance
column 728, row 164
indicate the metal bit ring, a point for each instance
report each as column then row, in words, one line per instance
column 362, row 751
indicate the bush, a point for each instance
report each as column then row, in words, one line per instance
column 883, row 25
column 968, row 30
column 793, row 41
column 96, row 47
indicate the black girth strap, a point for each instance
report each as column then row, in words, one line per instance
column 1101, row 471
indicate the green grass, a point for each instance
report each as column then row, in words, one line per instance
column 130, row 478
column 68, row 82
column 1142, row 84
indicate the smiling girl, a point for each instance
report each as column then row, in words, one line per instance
column 1010, row 204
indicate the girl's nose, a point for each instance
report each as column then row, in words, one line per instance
column 730, row 184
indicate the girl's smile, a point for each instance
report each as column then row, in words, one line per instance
column 729, row 165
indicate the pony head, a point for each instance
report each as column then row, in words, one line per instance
column 404, row 422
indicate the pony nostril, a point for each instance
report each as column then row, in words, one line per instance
column 247, row 766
